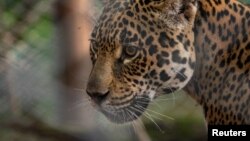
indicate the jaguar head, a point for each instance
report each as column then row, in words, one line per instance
column 140, row 49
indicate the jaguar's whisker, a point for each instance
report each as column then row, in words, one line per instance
column 173, row 95
column 151, row 101
column 149, row 117
column 124, row 120
column 79, row 105
column 149, row 113
column 138, row 119
column 171, row 118
column 130, row 116
column 182, row 75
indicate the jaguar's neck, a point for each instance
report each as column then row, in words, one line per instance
column 220, row 27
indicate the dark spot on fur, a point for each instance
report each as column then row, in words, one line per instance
column 164, row 76
column 177, row 58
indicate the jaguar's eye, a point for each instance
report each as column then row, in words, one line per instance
column 93, row 45
column 130, row 50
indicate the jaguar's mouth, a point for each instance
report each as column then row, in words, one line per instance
column 129, row 113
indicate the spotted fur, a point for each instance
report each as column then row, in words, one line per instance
column 143, row 48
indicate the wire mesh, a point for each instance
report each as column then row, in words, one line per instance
column 29, row 84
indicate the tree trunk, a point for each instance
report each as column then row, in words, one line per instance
column 72, row 19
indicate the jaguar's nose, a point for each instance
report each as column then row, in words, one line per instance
column 98, row 97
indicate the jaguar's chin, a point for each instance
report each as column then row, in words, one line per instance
column 129, row 113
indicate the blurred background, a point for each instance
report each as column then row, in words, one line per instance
column 44, row 66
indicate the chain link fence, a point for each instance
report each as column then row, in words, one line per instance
column 32, row 103
column 26, row 51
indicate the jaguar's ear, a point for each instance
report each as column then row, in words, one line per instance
column 175, row 13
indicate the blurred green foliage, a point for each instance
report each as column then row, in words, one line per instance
column 36, row 30
column 26, row 32
column 247, row 1
column 27, row 20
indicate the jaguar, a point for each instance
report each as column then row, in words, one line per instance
column 141, row 49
